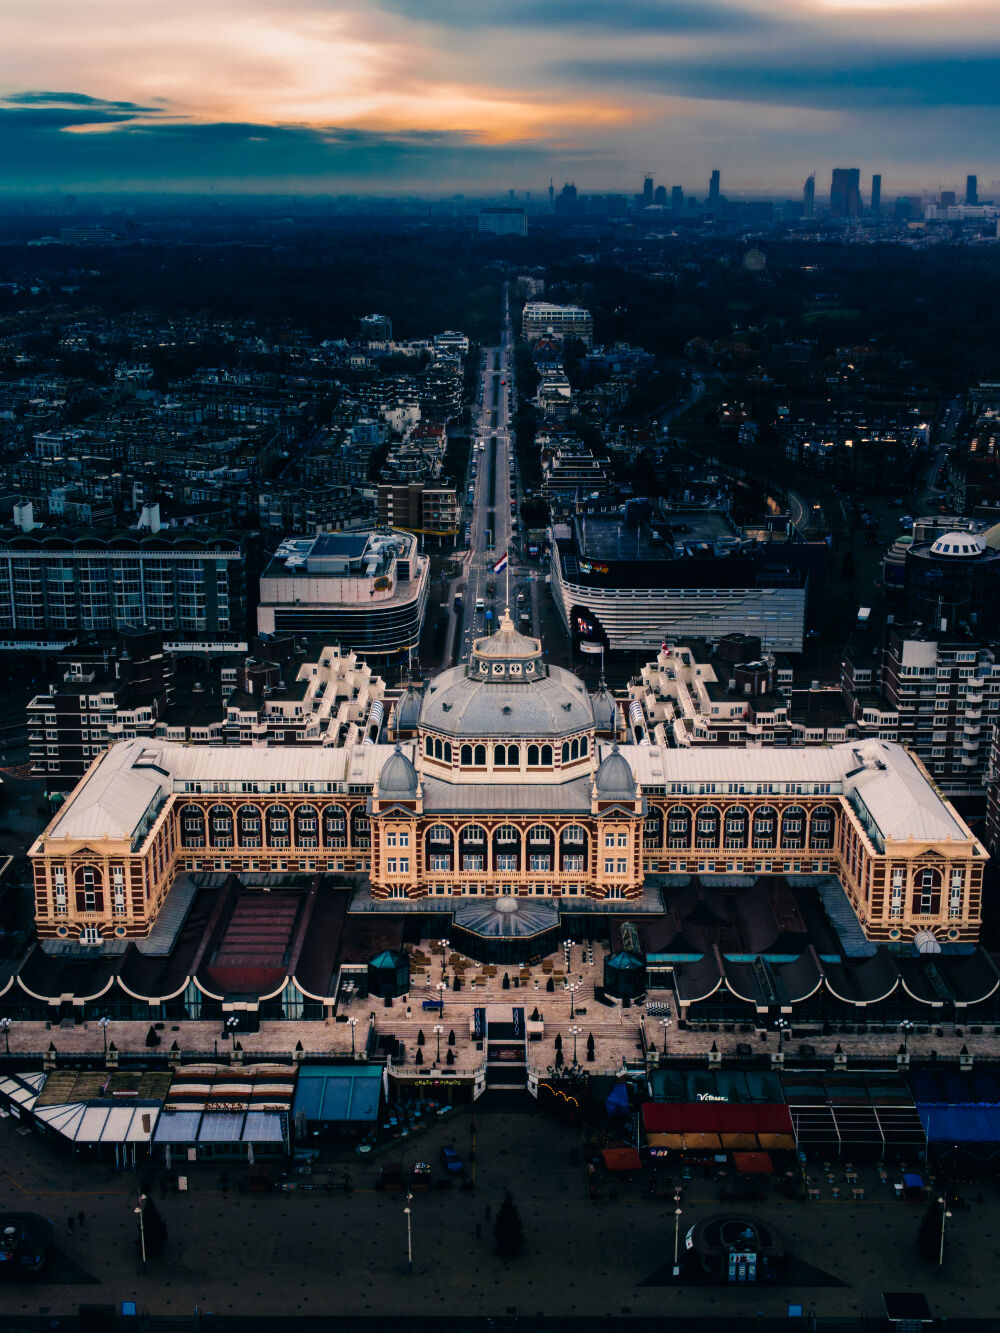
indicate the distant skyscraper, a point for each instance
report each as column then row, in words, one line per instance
column 552, row 193
column 677, row 198
column 647, row 191
column 809, row 197
column 713, row 189
column 971, row 191
column 660, row 195
column 876, row 196
column 845, row 192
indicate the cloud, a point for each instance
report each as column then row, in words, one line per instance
column 36, row 150
column 844, row 80
column 568, row 16
column 83, row 100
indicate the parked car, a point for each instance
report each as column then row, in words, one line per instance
column 451, row 1161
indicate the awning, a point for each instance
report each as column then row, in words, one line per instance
column 675, row 1142
column 753, row 1163
column 621, row 1159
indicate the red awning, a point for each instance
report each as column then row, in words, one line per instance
column 716, row 1118
column 621, row 1159
column 753, row 1163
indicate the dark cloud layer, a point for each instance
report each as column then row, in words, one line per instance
column 37, row 146
column 660, row 16
column 839, row 78
column 35, row 97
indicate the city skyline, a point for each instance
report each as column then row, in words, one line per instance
column 436, row 97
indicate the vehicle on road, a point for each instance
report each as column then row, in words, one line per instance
column 451, row 1161
column 480, row 604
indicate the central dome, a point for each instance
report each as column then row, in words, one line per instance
column 959, row 543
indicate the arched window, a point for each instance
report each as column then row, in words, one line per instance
column 678, row 827
column 472, row 849
column 506, row 848
column 429, row 747
column 360, row 827
column 440, row 848
column 446, row 752
column 277, row 826
column 927, row 891
column 465, row 756
column 573, row 849
column 584, row 747
column 545, row 758
column 306, row 827
column 479, row 757
column 736, row 828
column 565, row 752
column 513, row 756
column 765, row 828
column 821, row 823
column 192, row 826
column 89, row 889
column 541, row 849
column 532, row 756
column 248, row 826
column 793, row 828
column 707, row 828
column 500, row 756
column 335, row 826
column 220, row 826
column 652, row 830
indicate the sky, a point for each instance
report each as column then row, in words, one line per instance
column 438, row 96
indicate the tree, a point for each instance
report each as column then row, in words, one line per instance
column 418, row 1059
column 154, row 1229
column 420, row 1037
column 558, row 1041
column 550, row 985
column 451, row 1037
column 590, row 1046
column 450, row 1057
column 508, row 1232
column 152, row 1037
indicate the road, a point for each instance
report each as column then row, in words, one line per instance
column 490, row 522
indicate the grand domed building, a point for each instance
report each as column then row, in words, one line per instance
column 502, row 778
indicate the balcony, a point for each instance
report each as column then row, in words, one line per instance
column 974, row 697
column 970, row 745
column 972, row 728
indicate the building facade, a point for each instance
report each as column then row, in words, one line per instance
column 366, row 591
column 505, row 782
column 58, row 584
column 541, row 318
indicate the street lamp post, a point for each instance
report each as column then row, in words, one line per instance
column 104, row 1023
column 438, row 1029
column 782, row 1025
column 352, row 1023
column 575, row 1032
column 142, row 1228
column 5, row 1029
column 409, row 1234
column 677, row 1238
column 444, row 956
column 573, row 987
column 906, row 1027
column 945, row 1214
column 441, row 987
column 665, row 1024
column 232, row 1023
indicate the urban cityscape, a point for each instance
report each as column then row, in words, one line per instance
column 500, row 669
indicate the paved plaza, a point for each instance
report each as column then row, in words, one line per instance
column 310, row 1252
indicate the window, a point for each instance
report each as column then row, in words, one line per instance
column 609, row 866
column 390, row 839
column 404, row 865
column 622, row 839
column 506, row 861
column 622, row 866
column 472, row 862
column 540, row 861
column 390, row 865
column 609, row 839
column 404, row 839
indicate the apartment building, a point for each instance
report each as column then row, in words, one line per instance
column 540, row 319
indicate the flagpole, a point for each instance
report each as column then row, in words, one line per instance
column 507, row 607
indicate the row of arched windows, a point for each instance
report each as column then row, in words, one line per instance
column 474, row 850
column 250, row 827
column 505, row 755
column 735, row 829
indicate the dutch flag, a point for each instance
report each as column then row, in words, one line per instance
column 501, row 564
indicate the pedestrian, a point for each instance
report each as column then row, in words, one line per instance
column 69, row 1224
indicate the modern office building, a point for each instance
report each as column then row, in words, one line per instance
column 876, row 203
column 971, row 192
column 809, row 197
column 713, row 189
column 432, row 512
column 955, row 579
column 541, row 319
column 845, row 193
column 632, row 587
column 503, row 221
column 61, row 585
column 365, row 591
column 507, row 790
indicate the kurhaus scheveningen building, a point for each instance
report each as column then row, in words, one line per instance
column 502, row 785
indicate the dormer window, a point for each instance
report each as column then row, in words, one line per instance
column 498, row 668
column 515, row 668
